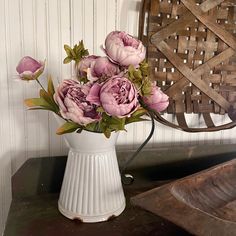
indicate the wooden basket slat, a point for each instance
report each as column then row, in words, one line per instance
column 191, row 53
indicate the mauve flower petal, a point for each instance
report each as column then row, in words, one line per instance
column 161, row 106
column 232, row 113
column 84, row 64
column 157, row 100
column 29, row 69
column 118, row 97
column 71, row 99
column 93, row 95
column 28, row 64
column 124, row 49
column 104, row 68
column 59, row 101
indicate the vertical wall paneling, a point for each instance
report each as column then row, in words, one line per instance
column 16, row 89
column 29, row 42
column 89, row 24
column 54, row 63
column 40, row 50
column 5, row 153
column 77, row 21
column 64, row 18
column 100, row 26
column 111, row 13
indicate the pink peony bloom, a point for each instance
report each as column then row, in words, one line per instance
column 124, row 49
column 232, row 113
column 71, row 99
column 104, row 68
column 94, row 94
column 118, row 97
column 84, row 64
column 29, row 69
column 157, row 100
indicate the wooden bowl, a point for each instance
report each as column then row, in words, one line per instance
column 203, row 203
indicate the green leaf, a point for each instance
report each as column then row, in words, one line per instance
column 140, row 112
column 49, row 99
column 68, row 127
column 131, row 70
column 68, row 50
column 137, row 74
column 51, row 89
column 73, row 53
column 36, row 102
column 114, row 123
column 100, row 109
column 134, row 119
column 107, row 133
column 76, row 54
column 144, row 68
column 146, row 87
column 136, row 116
column 67, row 60
column 93, row 127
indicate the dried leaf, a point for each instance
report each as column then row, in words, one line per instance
column 68, row 127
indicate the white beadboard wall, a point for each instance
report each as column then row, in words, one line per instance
column 5, row 150
column 39, row 28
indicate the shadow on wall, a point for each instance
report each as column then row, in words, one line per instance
column 129, row 16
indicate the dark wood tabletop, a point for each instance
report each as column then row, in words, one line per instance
column 36, row 188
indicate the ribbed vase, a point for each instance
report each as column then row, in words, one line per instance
column 91, row 189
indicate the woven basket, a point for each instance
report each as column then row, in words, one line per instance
column 191, row 52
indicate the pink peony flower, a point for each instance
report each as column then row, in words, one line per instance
column 124, row 49
column 118, row 97
column 71, row 99
column 232, row 113
column 29, row 69
column 104, row 68
column 84, row 64
column 94, row 94
column 157, row 100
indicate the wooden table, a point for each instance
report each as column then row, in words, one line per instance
column 35, row 193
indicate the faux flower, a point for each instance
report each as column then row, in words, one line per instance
column 94, row 94
column 157, row 100
column 232, row 113
column 102, row 67
column 118, row 97
column 84, row 64
column 71, row 99
column 108, row 93
column 29, row 69
column 124, row 49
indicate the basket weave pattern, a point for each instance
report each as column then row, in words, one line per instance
column 191, row 52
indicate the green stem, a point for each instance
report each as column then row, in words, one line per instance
column 40, row 85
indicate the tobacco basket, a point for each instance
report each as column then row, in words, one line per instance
column 191, row 53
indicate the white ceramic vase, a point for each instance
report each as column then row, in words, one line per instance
column 91, row 190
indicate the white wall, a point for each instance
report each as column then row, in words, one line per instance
column 5, row 151
column 39, row 28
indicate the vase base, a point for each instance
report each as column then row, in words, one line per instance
column 91, row 218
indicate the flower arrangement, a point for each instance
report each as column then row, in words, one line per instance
column 108, row 92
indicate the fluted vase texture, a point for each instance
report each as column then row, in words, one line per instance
column 91, row 189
